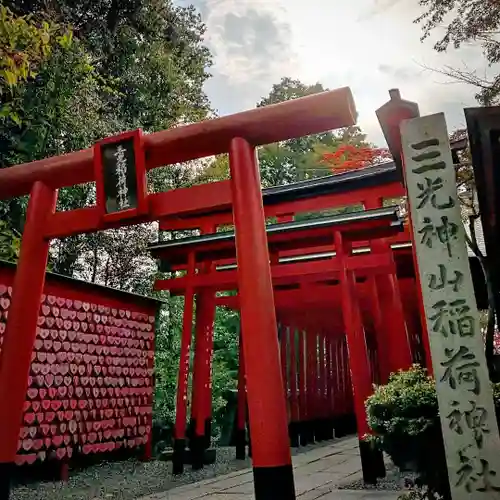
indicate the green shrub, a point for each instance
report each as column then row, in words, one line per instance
column 404, row 417
column 406, row 405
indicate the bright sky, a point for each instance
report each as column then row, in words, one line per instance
column 369, row 45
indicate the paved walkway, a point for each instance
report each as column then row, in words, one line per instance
column 317, row 474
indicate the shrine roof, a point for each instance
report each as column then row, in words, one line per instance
column 305, row 233
column 367, row 177
column 371, row 176
column 86, row 284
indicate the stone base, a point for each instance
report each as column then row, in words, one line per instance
column 240, row 444
column 208, row 457
column 293, row 432
column 6, row 470
column 178, row 456
column 273, row 483
column 372, row 463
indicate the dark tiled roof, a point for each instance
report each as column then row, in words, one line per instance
column 79, row 282
column 391, row 213
column 357, row 179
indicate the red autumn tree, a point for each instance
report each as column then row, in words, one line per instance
column 349, row 157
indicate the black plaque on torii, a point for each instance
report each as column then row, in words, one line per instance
column 120, row 174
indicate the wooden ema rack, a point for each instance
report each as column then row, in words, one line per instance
column 90, row 384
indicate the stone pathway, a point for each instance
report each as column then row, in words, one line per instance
column 317, row 474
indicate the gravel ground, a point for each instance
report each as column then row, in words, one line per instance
column 131, row 479
column 126, row 480
column 393, row 481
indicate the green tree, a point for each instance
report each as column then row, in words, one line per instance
column 215, row 170
column 23, row 47
column 132, row 64
column 278, row 165
column 466, row 21
column 46, row 75
column 153, row 49
column 9, row 243
column 58, row 109
column 288, row 89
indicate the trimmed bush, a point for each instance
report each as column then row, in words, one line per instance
column 404, row 417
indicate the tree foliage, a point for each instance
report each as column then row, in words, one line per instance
column 153, row 49
column 129, row 64
column 404, row 417
column 9, row 243
column 215, row 170
column 349, row 157
column 46, row 77
column 85, row 70
column 23, row 47
column 466, row 21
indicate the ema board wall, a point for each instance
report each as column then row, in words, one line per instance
column 91, row 380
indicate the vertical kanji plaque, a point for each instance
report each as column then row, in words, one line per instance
column 120, row 174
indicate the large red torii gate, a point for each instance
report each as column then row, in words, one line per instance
column 239, row 135
column 308, row 115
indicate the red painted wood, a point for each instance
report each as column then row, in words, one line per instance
column 148, row 374
column 220, row 205
column 323, row 364
column 311, row 363
column 348, row 383
column 358, row 354
column 206, row 399
column 242, row 397
column 302, row 376
column 16, row 351
column 281, row 275
column 397, row 343
column 334, row 387
column 409, row 294
column 294, row 390
column 381, row 328
column 269, row 436
column 199, row 348
column 341, row 399
column 182, row 380
column 283, row 334
column 201, row 397
column 52, row 412
column 302, row 238
column 259, row 126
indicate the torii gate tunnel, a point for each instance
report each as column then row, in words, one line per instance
column 127, row 202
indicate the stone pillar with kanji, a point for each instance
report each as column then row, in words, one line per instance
column 464, row 392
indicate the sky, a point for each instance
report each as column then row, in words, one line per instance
column 369, row 45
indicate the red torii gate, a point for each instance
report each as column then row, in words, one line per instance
column 367, row 187
column 337, row 232
column 239, row 135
